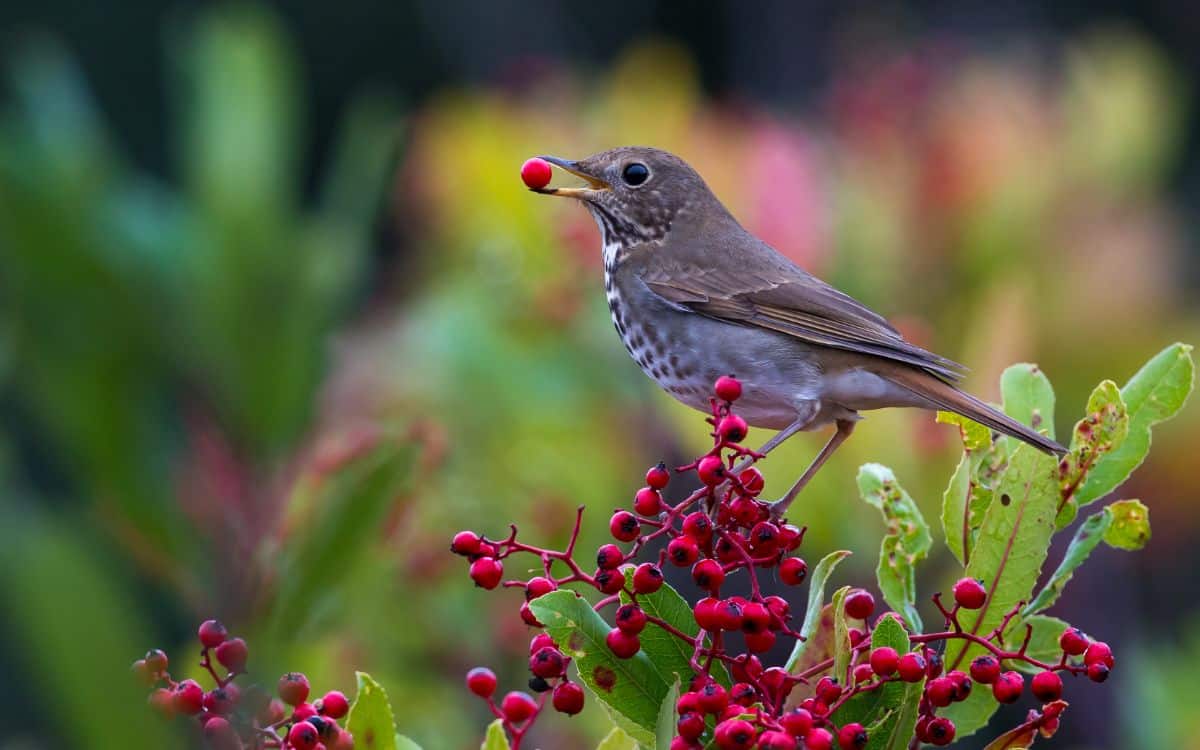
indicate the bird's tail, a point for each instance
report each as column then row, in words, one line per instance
column 948, row 398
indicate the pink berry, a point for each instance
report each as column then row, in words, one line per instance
column 1046, row 686
column 222, row 700
column 486, row 572
column 535, row 173
column 303, row 711
column 690, row 725
column 969, row 593
column 859, row 604
column 538, row 586
column 232, row 654
column 482, row 682
column 683, row 551
column 773, row 740
column 734, row 734
column 567, row 698
column 623, row 645
column 1098, row 653
column 1098, row 672
column 863, row 673
column 797, row 722
column 333, row 704
column 647, row 578
column 712, row 698
column 818, row 739
column 728, row 388
column 518, row 706
column 707, row 614
column 940, row 692
column 293, row 688
column 465, row 543
column 539, row 642
column 911, row 667
column 303, row 736
column 624, row 526
column 212, row 633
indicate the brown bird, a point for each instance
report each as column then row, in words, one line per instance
column 695, row 296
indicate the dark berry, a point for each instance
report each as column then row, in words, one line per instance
column 728, row 388
column 1046, row 686
column 859, row 604
column 538, row 684
column 567, row 698
column 548, row 662
column 884, row 660
column 658, row 476
column 631, row 618
column 969, row 593
column 962, row 684
column 1073, row 641
column 647, row 578
column 212, row 633
column 624, row 526
column 293, row 688
column 911, row 667
column 465, row 543
column 1007, row 687
column 852, row 737
column 518, row 706
column 623, row 645
column 482, row 682
column 486, row 572
column 985, row 669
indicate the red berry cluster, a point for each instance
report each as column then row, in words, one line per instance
column 719, row 530
column 233, row 718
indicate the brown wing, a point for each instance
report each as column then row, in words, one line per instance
column 771, row 292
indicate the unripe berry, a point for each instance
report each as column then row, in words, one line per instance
column 609, row 581
column 859, row 604
column 884, row 660
column 518, row 706
column 682, row 551
column 482, row 682
column 567, row 698
column 752, row 480
column 818, row 739
column 985, row 669
column 188, row 697
column 156, row 660
column 1098, row 653
column 647, row 502
column 690, row 725
column 548, row 662
column 940, row 692
column 536, row 173
column 658, row 476
column 827, row 690
column 143, row 673
column 303, row 736
column 1008, row 687
column 212, row 633
column 734, row 734
column 631, row 618
column 623, row 645
column 647, row 578
column 711, row 470
column 538, row 586
column 940, row 731
column 624, row 526
column 486, row 572
column 293, row 688
column 733, row 429
column 465, row 543
column 1046, row 686
column 728, row 388
column 793, row 571
column 969, row 593
column 1073, row 641
column 712, row 698
column 911, row 667
column 698, row 526
column 708, row 574
column 609, row 556
column 852, row 737
column 1098, row 672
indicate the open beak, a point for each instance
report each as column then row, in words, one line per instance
column 595, row 184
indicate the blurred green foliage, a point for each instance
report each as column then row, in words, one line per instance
column 210, row 410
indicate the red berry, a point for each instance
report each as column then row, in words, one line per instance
column 985, row 669
column 884, row 660
column 1098, row 672
column 940, row 691
column 793, row 571
column 647, row 578
column 609, row 581
column 752, row 480
column 852, row 737
column 911, row 667
column 728, row 388
column 631, row 618
column 293, row 688
column 962, row 684
column 772, row 740
column 682, row 551
column 539, row 642
column 1073, row 641
column 683, row 743
column 624, row 526
column 729, row 614
column 969, row 593
column 232, row 654
column 863, row 673
column 818, row 739
column 658, row 476
column 712, row 698
column 940, row 731
column 859, row 604
column 156, row 661
column 333, row 704
column 707, row 614
column 623, row 645
column 1008, row 687
column 482, row 682
column 708, row 574
column 690, row 725
column 609, row 556
column 827, row 690
column 486, row 572
column 934, row 660
column 465, row 543
column 303, row 736
column 856, row 635
column 755, row 618
column 535, row 173
column 689, row 702
column 742, row 694
column 518, row 706
column 711, row 470
column 538, row 586
column 188, row 697
column 698, row 526
column 647, row 502
column 212, row 633
column 1046, row 686
column 163, row 701
column 734, row 734
column 567, row 698
column 732, row 429
column 745, row 510
column 764, row 538
column 222, row 700
column 528, row 617
column 747, row 668
column 303, row 711
column 797, row 722
column 548, row 662
column 1098, row 653
column 760, row 642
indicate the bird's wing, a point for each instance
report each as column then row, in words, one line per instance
column 775, row 294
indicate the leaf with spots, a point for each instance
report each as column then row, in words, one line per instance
column 890, row 712
column 633, row 688
column 1028, row 398
column 1130, row 528
column 670, row 654
column 906, row 542
column 371, row 721
column 495, row 739
column 814, row 616
column 1101, row 431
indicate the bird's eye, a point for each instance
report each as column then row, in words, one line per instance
column 635, row 174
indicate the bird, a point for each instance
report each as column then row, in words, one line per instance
column 694, row 296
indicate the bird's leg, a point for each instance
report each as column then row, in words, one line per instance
column 844, row 428
column 801, row 422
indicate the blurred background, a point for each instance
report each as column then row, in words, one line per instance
column 277, row 316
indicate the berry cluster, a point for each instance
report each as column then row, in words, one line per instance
column 721, row 529
column 234, row 718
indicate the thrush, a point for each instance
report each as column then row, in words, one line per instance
column 694, row 296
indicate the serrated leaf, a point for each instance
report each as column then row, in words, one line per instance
column 1101, row 431
column 1043, row 643
column 670, row 655
column 1089, row 534
column 371, row 721
column 974, row 435
column 404, row 743
column 666, row 718
column 841, row 635
column 906, row 542
column 633, row 687
column 617, row 740
column 816, row 597
column 1130, row 527
column 1155, row 394
column 890, row 712
column 495, row 739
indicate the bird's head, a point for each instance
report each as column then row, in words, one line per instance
column 635, row 193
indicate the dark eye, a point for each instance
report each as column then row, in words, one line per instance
column 635, row 174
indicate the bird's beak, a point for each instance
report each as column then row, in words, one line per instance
column 595, row 184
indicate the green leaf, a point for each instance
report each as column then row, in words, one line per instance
column 1089, row 534
column 404, row 743
column 1130, row 528
column 495, row 739
column 963, row 504
column 816, row 597
column 1028, row 398
column 889, row 713
column 633, row 688
column 841, row 636
column 906, row 542
column 371, row 720
column 1043, row 642
column 1155, row 394
column 670, row 655
column 818, row 648
column 974, row 435
column 1101, row 431
column 618, row 740
column 666, row 718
